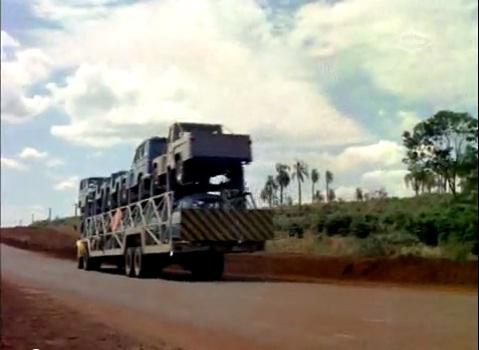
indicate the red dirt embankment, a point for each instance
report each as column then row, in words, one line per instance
column 58, row 241
column 307, row 268
column 286, row 267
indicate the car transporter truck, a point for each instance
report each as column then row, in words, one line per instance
column 182, row 202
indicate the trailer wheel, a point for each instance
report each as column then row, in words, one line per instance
column 89, row 264
column 129, row 255
column 80, row 262
column 139, row 263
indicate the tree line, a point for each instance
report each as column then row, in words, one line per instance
column 441, row 156
column 275, row 185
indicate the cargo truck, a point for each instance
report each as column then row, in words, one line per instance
column 189, row 206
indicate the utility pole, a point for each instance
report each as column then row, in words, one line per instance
column 49, row 214
column 76, row 208
column 33, row 218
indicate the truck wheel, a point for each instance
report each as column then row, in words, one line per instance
column 139, row 263
column 80, row 262
column 129, row 256
column 89, row 264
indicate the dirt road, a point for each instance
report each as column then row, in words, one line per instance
column 254, row 315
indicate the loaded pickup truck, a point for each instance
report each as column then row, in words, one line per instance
column 139, row 177
column 198, row 152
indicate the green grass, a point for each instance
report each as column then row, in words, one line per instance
column 432, row 225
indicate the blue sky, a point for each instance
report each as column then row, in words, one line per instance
column 333, row 83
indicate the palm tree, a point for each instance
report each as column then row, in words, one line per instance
column 314, row 179
column 318, row 197
column 329, row 178
column 268, row 194
column 300, row 172
column 359, row 194
column 282, row 179
column 331, row 195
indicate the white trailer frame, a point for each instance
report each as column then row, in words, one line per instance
column 150, row 219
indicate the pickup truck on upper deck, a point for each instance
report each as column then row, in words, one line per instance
column 198, row 152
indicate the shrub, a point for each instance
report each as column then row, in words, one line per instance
column 289, row 223
column 389, row 220
column 458, row 251
column 319, row 222
column 295, row 230
column 425, row 229
column 337, row 224
column 360, row 227
column 372, row 219
column 372, row 246
column 399, row 239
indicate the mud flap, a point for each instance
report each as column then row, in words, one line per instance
column 81, row 249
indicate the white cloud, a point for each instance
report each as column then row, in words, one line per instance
column 348, row 166
column 68, row 184
column 391, row 180
column 9, row 163
column 97, row 154
column 228, row 65
column 72, row 10
column 415, row 50
column 223, row 66
column 54, row 162
column 408, row 119
column 346, row 192
column 7, row 41
column 384, row 153
column 28, row 67
column 31, row 153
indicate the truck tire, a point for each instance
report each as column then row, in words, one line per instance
column 139, row 263
column 90, row 264
column 80, row 262
column 129, row 256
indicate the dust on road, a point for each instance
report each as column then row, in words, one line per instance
column 258, row 315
